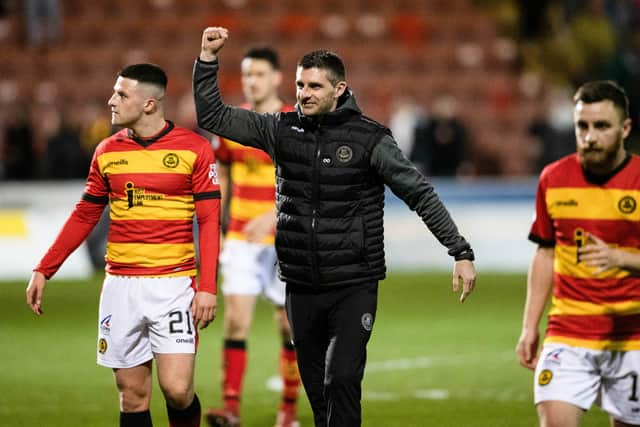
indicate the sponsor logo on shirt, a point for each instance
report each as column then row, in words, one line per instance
column 213, row 173
column 570, row 202
column 119, row 162
column 136, row 196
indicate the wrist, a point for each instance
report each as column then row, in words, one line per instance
column 620, row 258
column 467, row 254
column 206, row 56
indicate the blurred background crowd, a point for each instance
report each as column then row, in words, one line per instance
column 470, row 88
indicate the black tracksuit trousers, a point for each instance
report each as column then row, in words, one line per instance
column 331, row 328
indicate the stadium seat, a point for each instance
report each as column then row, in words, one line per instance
column 409, row 29
column 408, row 45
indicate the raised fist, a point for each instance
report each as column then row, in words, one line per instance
column 213, row 39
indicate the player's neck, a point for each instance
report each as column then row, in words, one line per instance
column 269, row 105
column 149, row 128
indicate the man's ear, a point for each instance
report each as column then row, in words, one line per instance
column 277, row 76
column 626, row 128
column 150, row 105
column 339, row 89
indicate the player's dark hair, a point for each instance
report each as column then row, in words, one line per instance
column 325, row 60
column 265, row 53
column 145, row 73
column 604, row 90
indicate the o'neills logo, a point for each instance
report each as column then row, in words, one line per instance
column 570, row 202
column 119, row 162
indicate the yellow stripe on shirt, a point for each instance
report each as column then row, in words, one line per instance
column 174, row 208
column 254, row 174
column 565, row 263
column 235, row 235
column 595, row 344
column 150, row 254
column 246, row 210
column 567, row 306
column 147, row 161
column 591, row 203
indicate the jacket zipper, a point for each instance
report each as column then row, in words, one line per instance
column 314, row 213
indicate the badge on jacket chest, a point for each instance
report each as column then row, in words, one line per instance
column 344, row 153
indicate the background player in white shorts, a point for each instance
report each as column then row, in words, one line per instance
column 248, row 260
column 154, row 176
column 587, row 226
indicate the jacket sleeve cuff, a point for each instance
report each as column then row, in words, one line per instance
column 466, row 254
column 200, row 61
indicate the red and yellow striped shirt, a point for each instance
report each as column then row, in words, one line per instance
column 153, row 188
column 253, row 184
column 597, row 311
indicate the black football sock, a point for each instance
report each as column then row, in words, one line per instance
column 136, row 419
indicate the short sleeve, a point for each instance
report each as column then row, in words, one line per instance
column 542, row 231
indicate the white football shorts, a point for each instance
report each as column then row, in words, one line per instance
column 140, row 316
column 583, row 376
column 250, row 269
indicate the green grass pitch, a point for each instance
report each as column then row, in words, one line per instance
column 431, row 360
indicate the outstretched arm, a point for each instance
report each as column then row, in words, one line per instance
column 539, row 285
column 238, row 124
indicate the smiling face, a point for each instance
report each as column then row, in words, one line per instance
column 315, row 93
column 600, row 132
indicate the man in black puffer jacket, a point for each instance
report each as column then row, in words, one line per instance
column 332, row 164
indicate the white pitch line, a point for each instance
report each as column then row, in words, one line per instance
column 432, row 394
column 399, row 364
column 424, row 362
column 505, row 395
column 380, row 396
column 274, row 383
